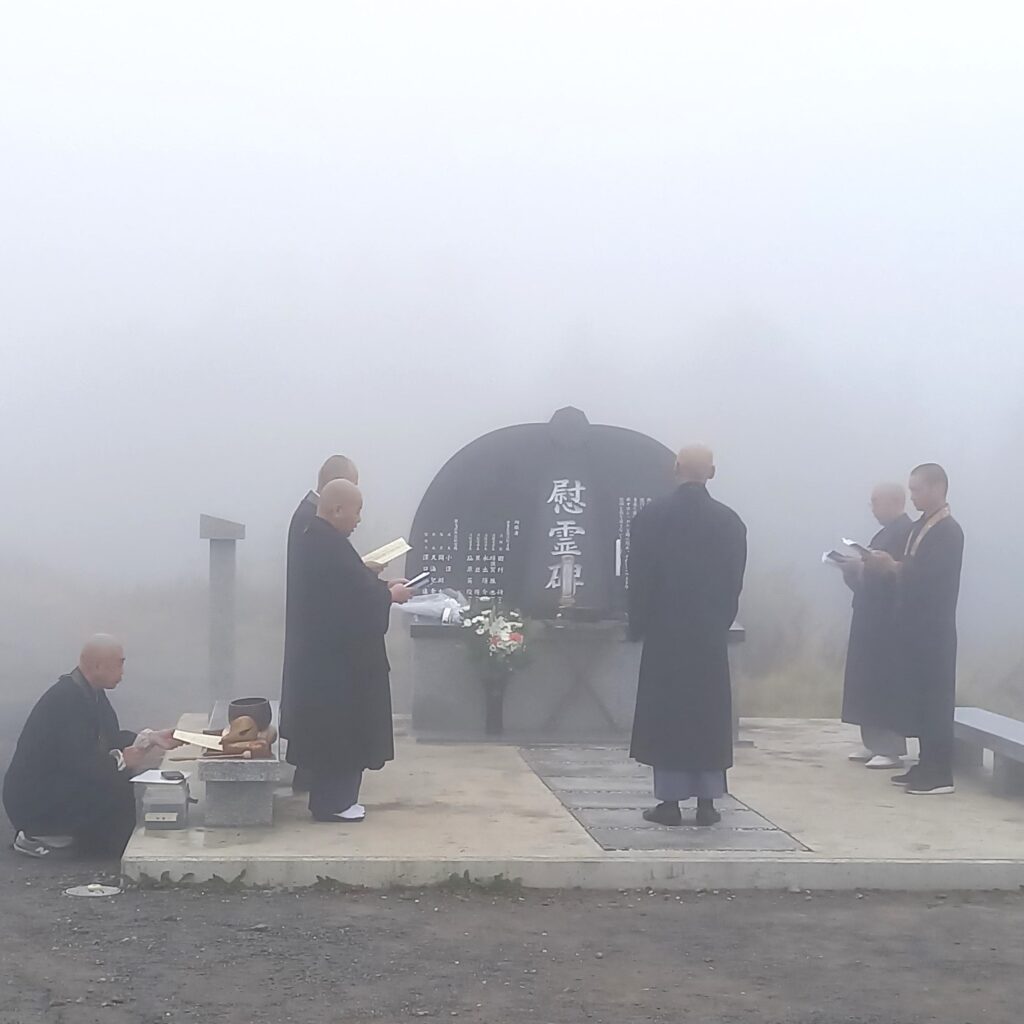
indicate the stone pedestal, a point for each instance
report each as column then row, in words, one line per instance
column 577, row 685
column 240, row 792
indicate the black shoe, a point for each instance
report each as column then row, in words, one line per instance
column 708, row 817
column 924, row 786
column 706, row 813
column 664, row 814
column 906, row 778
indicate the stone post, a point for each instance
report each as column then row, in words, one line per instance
column 222, row 535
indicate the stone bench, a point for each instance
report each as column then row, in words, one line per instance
column 975, row 731
column 239, row 791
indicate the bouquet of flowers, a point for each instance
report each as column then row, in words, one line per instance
column 498, row 639
column 498, row 636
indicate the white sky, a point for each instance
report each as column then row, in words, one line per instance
column 237, row 237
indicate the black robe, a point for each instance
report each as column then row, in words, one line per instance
column 687, row 556
column 301, row 518
column 62, row 779
column 340, row 705
column 872, row 694
column 929, row 590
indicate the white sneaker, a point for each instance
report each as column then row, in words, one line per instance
column 357, row 812
column 861, row 756
column 879, row 762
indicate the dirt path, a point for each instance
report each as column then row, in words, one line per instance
column 248, row 958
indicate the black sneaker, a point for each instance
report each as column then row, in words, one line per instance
column 923, row 786
column 664, row 814
column 707, row 816
column 906, row 778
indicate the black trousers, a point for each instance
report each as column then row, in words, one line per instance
column 101, row 820
column 331, row 792
column 937, row 752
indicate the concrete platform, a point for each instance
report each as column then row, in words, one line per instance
column 482, row 810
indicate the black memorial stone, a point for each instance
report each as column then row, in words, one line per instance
column 538, row 516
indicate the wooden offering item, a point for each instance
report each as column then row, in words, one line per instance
column 244, row 738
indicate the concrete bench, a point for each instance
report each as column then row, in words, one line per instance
column 975, row 731
column 240, row 791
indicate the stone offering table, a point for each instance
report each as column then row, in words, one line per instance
column 578, row 684
column 239, row 791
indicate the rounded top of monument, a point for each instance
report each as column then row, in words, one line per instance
column 569, row 425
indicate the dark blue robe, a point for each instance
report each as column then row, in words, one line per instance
column 340, row 703
column 687, row 558
column 62, row 779
column 873, row 691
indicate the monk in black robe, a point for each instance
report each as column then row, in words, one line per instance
column 69, row 782
column 340, row 713
column 337, row 467
column 687, row 558
column 928, row 579
column 872, row 694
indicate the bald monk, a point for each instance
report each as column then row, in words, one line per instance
column 686, row 562
column 872, row 694
column 68, row 783
column 340, row 723
column 337, row 467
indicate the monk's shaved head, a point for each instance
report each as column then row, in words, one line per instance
column 929, row 487
column 337, row 467
column 890, row 490
column 888, row 502
column 341, row 504
column 695, row 464
column 101, row 661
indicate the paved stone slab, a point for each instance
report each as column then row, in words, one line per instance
column 597, row 784
column 574, row 800
column 612, row 772
column 621, row 827
column 592, row 818
column 572, row 755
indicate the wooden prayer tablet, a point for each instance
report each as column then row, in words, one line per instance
column 388, row 553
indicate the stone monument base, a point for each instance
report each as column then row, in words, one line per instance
column 578, row 684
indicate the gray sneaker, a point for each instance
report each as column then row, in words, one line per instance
column 29, row 846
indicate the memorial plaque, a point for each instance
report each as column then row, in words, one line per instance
column 538, row 516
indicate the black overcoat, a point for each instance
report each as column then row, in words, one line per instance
column 301, row 518
column 62, row 775
column 929, row 591
column 872, row 692
column 340, row 705
column 687, row 557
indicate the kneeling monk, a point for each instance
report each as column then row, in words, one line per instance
column 69, row 782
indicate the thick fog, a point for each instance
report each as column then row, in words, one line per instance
column 240, row 237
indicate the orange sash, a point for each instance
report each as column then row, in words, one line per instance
column 914, row 540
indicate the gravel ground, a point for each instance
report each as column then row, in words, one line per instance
column 252, row 957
